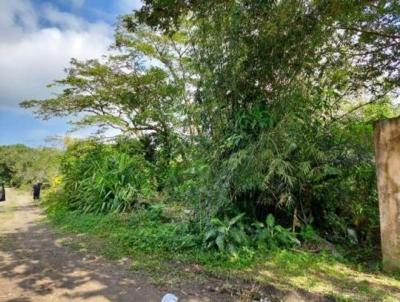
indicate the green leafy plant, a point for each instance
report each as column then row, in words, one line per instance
column 226, row 235
column 273, row 235
column 308, row 234
column 98, row 178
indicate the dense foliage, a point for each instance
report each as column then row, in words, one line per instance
column 21, row 165
column 255, row 116
column 98, row 178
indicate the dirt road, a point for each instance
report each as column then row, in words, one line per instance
column 36, row 266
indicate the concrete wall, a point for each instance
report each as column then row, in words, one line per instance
column 387, row 155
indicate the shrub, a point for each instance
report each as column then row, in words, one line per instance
column 273, row 235
column 226, row 235
column 97, row 178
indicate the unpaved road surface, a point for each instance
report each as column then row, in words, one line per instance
column 36, row 266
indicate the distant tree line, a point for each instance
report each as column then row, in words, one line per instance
column 21, row 165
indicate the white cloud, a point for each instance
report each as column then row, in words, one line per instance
column 16, row 17
column 32, row 56
column 64, row 20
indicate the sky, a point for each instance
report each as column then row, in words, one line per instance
column 37, row 40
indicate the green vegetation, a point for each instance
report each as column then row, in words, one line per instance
column 98, row 178
column 244, row 140
column 158, row 241
column 21, row 165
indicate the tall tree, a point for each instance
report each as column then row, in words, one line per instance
column 275, row 82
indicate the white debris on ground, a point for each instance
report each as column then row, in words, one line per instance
column 169, row 298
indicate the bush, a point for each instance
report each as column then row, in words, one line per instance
column 97, row 178
column 226, row 235
column 273, row 235
column 229, row 235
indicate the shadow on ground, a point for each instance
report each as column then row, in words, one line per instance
column 35, row 262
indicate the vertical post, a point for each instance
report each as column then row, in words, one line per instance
column 2, row 192
column 387, row 157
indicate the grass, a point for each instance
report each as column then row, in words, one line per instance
column 323, row 274
column 163, row 249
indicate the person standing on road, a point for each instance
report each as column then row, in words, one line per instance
column 36, row 190
column 2, row 192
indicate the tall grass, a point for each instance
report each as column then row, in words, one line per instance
column 98, row 178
